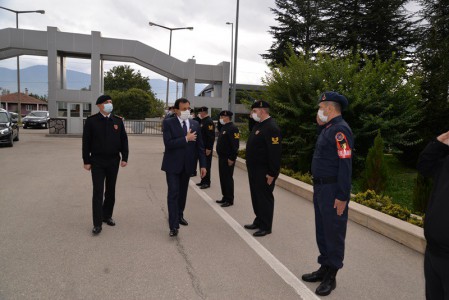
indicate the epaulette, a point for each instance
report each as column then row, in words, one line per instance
column 91, row 116
column 120, row 117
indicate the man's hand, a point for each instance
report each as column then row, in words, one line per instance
column 191, row 136
column 230, row 162
column 444, row 138
column 208, row 152
column 87, row 167
column 269, row 179
column 340, row 206
column 203, row 172
column 123, row 163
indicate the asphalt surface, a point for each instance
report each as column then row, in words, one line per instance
column 47, row 250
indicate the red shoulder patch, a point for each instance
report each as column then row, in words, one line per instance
column 343, row 148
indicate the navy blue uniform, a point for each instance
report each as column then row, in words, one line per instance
column 332, row 171
column 227, row 148
column 208, row 135
column 263, row 157
column 104, row 139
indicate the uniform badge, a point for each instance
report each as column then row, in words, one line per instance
column 275, row 140
column 324, row 97
column 343, row 149
column 116, row 127
column 257, row 132
column 236, row 136
column 211, row 127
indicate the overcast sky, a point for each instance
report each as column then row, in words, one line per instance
column 209, row 42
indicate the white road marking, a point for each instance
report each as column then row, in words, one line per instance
column 300, row 288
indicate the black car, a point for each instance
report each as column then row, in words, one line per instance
column 9, row 130
column 36, row 118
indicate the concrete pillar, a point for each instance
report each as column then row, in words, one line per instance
column 225, row 85
column 189, row 84
column 96, row 65
column 54, row 78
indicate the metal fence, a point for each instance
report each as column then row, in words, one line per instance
column 143, row 127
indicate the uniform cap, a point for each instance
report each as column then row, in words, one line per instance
column 203, row 108
column 334, row 97
column 260, row 104
column 103, row 99
column 226, row 113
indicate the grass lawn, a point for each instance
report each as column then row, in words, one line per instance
column 400, row 184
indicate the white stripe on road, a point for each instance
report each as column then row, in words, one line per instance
column 300, row 288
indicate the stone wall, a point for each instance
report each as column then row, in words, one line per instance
column 57, row 126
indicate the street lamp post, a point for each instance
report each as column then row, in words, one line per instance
column 232, row 45
column 169, row 48
column 17, row 12
column 234, row 80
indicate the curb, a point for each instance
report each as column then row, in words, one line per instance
column 400, row 231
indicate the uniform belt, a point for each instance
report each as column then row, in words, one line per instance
column 325, row 180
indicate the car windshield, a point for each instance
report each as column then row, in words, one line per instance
column 3, row 117
column 38, row 114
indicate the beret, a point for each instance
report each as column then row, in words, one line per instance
column 202, row 108
column 226, row 113
column 334, row 97
column 260, row 104
column 103, row 99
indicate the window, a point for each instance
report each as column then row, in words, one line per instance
column 29, row 107
column 86, row 109
column 62, row 109
column 74, row 110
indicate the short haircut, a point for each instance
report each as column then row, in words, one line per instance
column 336, row 105
column 181, row 100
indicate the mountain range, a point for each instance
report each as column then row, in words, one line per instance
column 35, row 79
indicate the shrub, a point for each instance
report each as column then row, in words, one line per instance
column 375, row 174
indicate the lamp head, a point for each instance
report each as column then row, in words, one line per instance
column 41, row 11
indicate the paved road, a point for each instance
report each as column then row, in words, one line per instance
column 47, row 250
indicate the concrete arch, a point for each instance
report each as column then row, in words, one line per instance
column 57, row 45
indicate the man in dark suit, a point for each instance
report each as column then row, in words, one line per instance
column 183, row 146
column 208, row 137
column 104, row 139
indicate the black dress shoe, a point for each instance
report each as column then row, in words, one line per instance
column 251, row 226
column 226, row 204
column 199, row 184
column 220, row 201
column 183, row 221
column 96, row 230
column 204, row 186
column 328, row 284
column 109, row 221
column 318, row 275
column 173, row 232
column 261, row 232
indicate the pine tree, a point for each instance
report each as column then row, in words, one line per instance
column 376, row 174
column 300, row 27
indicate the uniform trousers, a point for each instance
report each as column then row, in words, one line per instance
column 226, row 173
column 261, row 196
column 436, row 273
column 206, row 179
column 104, row 177
column 176, row 197
column 330, row 228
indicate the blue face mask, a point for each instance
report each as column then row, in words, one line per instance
column 108, row 107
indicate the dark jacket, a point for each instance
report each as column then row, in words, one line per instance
column 228, row 141
column 333, row 155
column 104, row 138
column 208, row 132
column 434, row 162
column 263, row 148
column 180, row 155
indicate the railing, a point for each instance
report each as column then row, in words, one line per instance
column 143, row 127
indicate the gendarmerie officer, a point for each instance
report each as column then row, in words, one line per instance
column 331, row 170
column 208, row 135
column 227, row 150
column 263, row 161
column 104, row 140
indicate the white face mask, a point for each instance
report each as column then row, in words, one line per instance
column 108, row 107
column 190, row 117
column 255, row 117
column 185, row 115
column 222, row 122
column 321, row 116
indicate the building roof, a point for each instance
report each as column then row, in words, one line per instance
column 24, row 99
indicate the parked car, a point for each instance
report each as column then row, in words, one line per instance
column 36, row 118
column 9, row 130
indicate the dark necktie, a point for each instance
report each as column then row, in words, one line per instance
column 184, row 127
